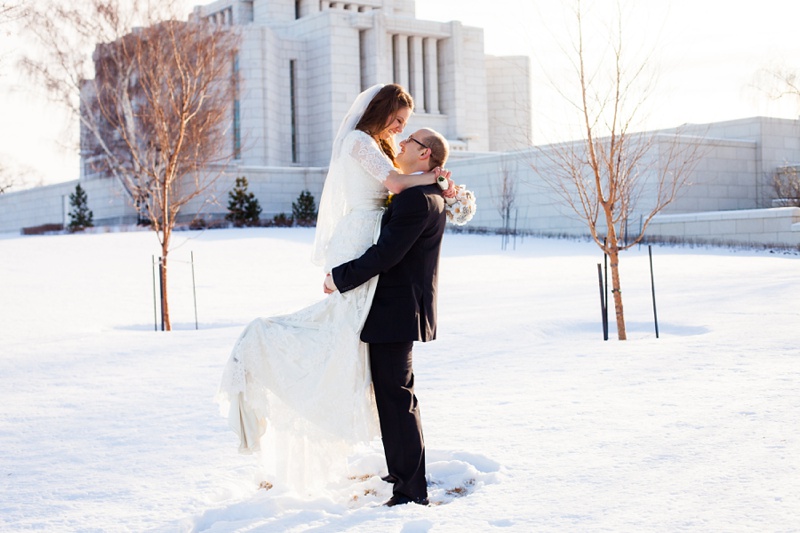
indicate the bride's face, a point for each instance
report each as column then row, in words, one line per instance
column 395, row 124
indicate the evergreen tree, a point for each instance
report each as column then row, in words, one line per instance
column 281, row 220
column 304, row 211
column 80, row 216
column 243, row 206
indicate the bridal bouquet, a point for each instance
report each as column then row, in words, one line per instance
column 461, row 208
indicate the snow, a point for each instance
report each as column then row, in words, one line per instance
column 532, row 421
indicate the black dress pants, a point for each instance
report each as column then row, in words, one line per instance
column 398, row 410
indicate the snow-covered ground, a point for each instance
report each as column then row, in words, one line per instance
column 532, row 421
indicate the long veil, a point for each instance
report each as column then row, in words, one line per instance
column 333, row 202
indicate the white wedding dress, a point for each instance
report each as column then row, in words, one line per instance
column 302, row 381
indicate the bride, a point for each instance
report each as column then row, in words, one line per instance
column 306, row 374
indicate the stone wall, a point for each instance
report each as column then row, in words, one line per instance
column 759, row 227
column 35, row 207
column 275, row 188
column 728, row 176
column 50, row 205
column 508, row 83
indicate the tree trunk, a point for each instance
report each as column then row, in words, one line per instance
column 613, row 255
column 164, row 300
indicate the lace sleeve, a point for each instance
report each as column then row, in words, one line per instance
column 363, row 149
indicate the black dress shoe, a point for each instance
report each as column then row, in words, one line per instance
column 399, row 499
column 388, row 478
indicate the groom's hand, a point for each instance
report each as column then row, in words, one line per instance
column 328, row 286
column 450, row 191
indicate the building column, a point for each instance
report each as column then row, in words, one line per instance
column 400, row 59
column 417, row 74
column 381, row 50
column 431, row 76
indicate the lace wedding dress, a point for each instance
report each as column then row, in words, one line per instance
column 302, row 381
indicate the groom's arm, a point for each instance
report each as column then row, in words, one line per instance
column 407, row 221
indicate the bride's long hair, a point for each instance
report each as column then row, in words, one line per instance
column 382, row 109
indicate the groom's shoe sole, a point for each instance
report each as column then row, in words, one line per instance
column 402, row 500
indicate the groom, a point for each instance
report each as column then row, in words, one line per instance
column 404, row 309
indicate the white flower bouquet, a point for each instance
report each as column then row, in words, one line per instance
column 461, row 207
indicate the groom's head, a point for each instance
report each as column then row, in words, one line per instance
column 422, row 151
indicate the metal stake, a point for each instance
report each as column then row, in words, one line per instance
column 155, row 315
column 194, row 292
column 161, row 289
column 603, row 303
column 653, row 288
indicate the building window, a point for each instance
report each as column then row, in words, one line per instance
column 400, row 60
column 224, row 17
column 362, row 58
column 426, row 82
column 237, row 123
column 247, row 11
column 395, row 60
column 293, row 106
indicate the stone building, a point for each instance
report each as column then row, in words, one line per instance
column 302, row 62
column 300, row 65
column 729, row 198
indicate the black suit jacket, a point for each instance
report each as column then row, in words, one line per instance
column 407, row 258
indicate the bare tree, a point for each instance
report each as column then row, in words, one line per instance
column 506, row 198
column 780, row 83
column 786, row 185
column 10, row 11
column 15, row 176
column 156, row 111
column 604, row 177
column 6, row 180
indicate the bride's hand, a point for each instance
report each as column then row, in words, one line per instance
column 328, row 286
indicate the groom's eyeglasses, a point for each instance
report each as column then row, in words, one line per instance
column 410, row 138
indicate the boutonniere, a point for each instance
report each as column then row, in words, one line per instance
column 389, row 199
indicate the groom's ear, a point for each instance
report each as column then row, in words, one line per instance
column 425, row 155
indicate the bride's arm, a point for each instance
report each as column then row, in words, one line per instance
column 363, row 149
column 396, row 182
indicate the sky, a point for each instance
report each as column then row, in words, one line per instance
column 704, row 57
